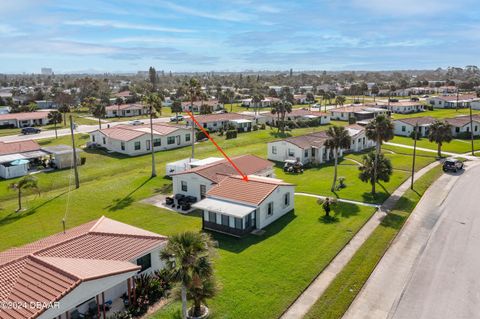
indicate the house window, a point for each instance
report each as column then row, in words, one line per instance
column 286, row 199
column 147, row 144
column 157, row 142
column 313, row 152
column 184, row 186
column 274, row 150
column 270, row 209
column 137, row 146
column 238, row 223
column 93, row 137
column 476, row 128
column 306, row 153
column 212, row 217
column 104, row 140
column 145, row 262
column 226, row 220
column 404, row 128
column 171, row 140
column 187, row 137
column 457, row 130
column 291, row 152
column 122, row 146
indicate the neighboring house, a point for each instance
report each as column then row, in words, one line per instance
column 475, row 105
column 197, row 181
column 461, row 125
column 299, row 115
column 24, row 119
column 77, row 270
column 44, row 104
column 310, row 148
column 135, row 140
column 357, row 112
column 266, row 102
column 405, row 127
column 212, row 105
column 236, row 207
column 403, row 107
column 215, row 122
column 300, row 99
column 124, row 95
column 15, row 157
column 453, row 101
column 124, row 110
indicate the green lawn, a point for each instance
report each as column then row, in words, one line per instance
column 345, row 287
column 261, row 276
column 437, row 113
column 455, row 146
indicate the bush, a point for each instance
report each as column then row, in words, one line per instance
column 352, row 120
column 201, row 135
column 464, row 135
column 221, row 131
column 419, row 136
column 231, row 134
column 7, row 126
column 255, row 127
column 263, row 126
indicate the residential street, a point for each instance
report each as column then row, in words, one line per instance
column 62, row 132
column 432, row 270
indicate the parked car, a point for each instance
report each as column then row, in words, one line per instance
column 452, row 164
column 176, row 118
column 135, row 122
column 30, row 130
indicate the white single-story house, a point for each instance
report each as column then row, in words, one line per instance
column 46, row 104
column 357, row 112
column 188, row 163
column 403, row 107
column 15, row 157
column 213, row 105
column 24, row 119
column 475, row 105
column 461, row 125
column 453, row 101
column 124, row 110
column 405, row 127
column 236, row 207
column 77, row 271
column 198, row 180
column 360, row 141
column 215, row 122
column 135, row 139
column 266, row 102
column 301, row 115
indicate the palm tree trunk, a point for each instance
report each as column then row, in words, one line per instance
column 197, row 308
column 55, row 128
column 99, row 123
column 19, row 199
column 375, row 164
column 335, row 158
column 154, row 171
column 64, row 118
column 184, row 301
column 439, row 150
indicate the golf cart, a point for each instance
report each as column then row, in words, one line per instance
column 293, row 166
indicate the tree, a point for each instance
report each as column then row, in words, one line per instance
column 55, row 117
column 374, row 169
column 256, row 101
column 230, row 97
column 27, row 182
column 338, row 139
column 193, row 92
column 152, row 77
column 154, row 102
column 380, row 130
column 199, row 292
column 63, row 101
column 281, row 109
column 327, row 205
column 375, row 90
column 340, row 100
column 440, row 132
column 97, row 109
column 187, row 258
column 176, row 108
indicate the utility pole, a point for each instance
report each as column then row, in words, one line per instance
column 77, row 182
column 456, row 106
column 471, row 129
column 414, row 154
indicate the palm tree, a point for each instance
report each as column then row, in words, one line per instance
column 193, row 93
column 199, row 292
column 27, row 182
column 281, row 110
column 340, row 100
column 176, row 108
column 380, row 130
column 338, row 138
column 154, row 102
column 375, row 168
column 187, row 258
column 96, row 108
column 63, row 101
column 55, row 117
column 230, row 96
column 440, row 132
column 256, row 100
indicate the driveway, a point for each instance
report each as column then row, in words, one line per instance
column 432, row 269
column 63, row 132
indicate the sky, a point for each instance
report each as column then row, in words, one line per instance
column 237, row 35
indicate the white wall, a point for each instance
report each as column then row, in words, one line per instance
column 282, row 151
column 342, row 116
column 13, row 171
column 279, row 209
column 193, row 184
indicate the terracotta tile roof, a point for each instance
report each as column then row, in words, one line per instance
column 130, row 132
column 423, row 120
column 316, row 139
column 460, row 121
column 222, row 117
column 24, row 116
column 132, row 106
column 48, row 269
column 186, row 104
column 18, row 147
column 248, row 164
column 252, row 192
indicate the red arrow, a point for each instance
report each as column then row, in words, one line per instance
column 244, row 177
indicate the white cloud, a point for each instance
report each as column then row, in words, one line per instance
column 9, row 31
column 404, row 7
column 124, row 25
column 234, row 16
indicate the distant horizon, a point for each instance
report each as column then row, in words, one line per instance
column 218, row 35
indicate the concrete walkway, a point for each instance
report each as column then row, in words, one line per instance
column 313, row 292
column 340, row 200
column 465, row 155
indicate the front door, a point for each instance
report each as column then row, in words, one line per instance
column 148, row 145
column 178, row 139
column 203, row 190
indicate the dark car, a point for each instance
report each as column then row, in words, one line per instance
column 452, row 164
column 30, row 130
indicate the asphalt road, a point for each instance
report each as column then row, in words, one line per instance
column 432, row 269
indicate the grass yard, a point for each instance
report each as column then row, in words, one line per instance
column 252, row 272
column 345, row 287
column 437, row 113
column 455, row 146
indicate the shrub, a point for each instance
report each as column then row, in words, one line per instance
column 419, row 136
column 263, row 126
column 201, row 135
column 464, row 135
column 255, row 127
column 351, row 120
column 231, row 134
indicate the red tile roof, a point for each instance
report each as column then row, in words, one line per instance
column 423, row 120
column 222, row 117
column 18, row 147
column 254, row 192
column 46, row 270
column 248, row 164
column 306, row 141
column 24, row 116
column 133, row 106
column 130, row 132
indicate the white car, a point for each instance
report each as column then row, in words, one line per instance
column 135, row 122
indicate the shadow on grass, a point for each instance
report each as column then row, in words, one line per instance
column 394, row 220
column 328, row 219
column 237, row 245
column 121, row 203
